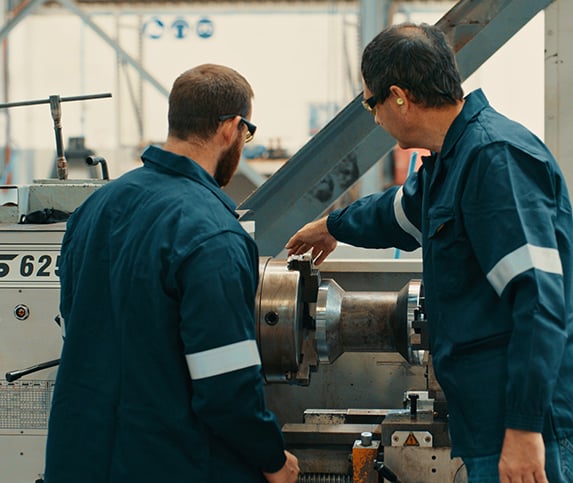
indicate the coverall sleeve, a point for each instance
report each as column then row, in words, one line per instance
column 382, row 220
column 66, row 273
column 511, row 205
column 219, row 283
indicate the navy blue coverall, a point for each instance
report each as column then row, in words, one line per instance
column 160, row 376
column 493, row 216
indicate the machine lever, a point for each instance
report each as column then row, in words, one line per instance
column 14, row 375
column 385, row 473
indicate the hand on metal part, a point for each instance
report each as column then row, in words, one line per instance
column 522, row 457
column 288, row 473
column 315, row 236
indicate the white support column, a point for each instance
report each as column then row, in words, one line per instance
column 373, row 18
column 3, row 16
column 559, row 84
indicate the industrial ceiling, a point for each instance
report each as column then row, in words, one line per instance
column 135, row 2
column 191, row 2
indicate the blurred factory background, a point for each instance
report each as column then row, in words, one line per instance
column 301, row 57
column 315, row 149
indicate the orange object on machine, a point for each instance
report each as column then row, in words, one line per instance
column 364, row 454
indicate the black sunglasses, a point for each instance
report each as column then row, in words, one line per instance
column 370, row 103
column 251, row 128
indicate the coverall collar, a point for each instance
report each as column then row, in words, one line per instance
column 184, row 166
column 475, row 103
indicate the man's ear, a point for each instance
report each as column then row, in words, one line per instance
column 229, row 128
column 399, row 95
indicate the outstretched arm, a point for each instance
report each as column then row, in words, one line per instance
column 315, row 236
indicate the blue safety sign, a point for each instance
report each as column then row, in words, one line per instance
column 180, row 28
column 205, row 28
column 154, row 28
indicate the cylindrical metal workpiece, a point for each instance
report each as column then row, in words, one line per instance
column 291, row 341
column 365, row 321
column 354, row 321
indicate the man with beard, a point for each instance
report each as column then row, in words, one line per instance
column 160, row 376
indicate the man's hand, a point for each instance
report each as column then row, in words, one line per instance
column 522, row 457
column 288, row 473
column 313, row 235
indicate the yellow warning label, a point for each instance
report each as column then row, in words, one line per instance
column 411, row 440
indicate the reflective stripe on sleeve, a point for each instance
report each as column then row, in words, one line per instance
column 521, row 260
column 402, row 219
column 221, row 360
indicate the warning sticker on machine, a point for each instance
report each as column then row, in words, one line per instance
column 29, row 264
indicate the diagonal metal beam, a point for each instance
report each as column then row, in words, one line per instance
column 315, row 177
column 27, row 9
column 476, row 30
column 70, row 5
column 122, row 54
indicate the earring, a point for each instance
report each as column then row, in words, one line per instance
column 399, row 101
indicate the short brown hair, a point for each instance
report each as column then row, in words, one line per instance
column 201, row 95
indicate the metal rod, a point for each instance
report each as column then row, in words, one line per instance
column 56, row 110
column 62, row 99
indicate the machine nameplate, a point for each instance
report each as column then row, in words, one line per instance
column 30, row 264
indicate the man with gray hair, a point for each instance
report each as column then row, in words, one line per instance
column 491, row 211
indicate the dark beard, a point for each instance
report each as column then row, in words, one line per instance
column 228, row 163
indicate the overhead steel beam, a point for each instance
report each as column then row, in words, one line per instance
column 319, row 173
column 476, row 30
column 122, row 54
column 25, row 10
column 70, row 5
